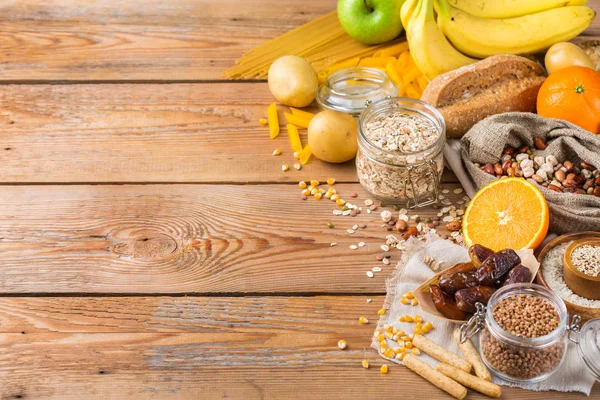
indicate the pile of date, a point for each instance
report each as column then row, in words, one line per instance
column 460, row 287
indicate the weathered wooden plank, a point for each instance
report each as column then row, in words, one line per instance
column 146, row 133
column 144, row 39
column 164, row 40
column 160, row 347
column 185, row 238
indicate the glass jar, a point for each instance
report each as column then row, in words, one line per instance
column 391, row 172
column 348, row 90
column 528, row 360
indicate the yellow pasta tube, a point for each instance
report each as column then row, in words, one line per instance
column 391, row 72
column 273, row 120
column 422, row 82
column 393, row 50
column 305, row 155
column 413, row 91
column 302, row 113
column 297, row 120
column 373, row 62
column 411, row 75
column 403, row 58
column 294, row 138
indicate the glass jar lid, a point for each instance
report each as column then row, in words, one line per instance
column 349, row 89
column 589, row 346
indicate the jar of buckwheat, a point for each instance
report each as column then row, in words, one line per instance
column 525, row 331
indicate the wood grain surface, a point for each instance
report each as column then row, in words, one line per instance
column 191, row 347
column 186, row 239
column 144, row 40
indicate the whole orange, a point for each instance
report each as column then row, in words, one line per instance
column 572, row 94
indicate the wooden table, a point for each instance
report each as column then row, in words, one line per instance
column 150, row 245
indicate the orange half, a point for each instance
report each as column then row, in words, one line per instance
column 509, row 213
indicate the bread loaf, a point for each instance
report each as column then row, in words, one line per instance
column 495, row 85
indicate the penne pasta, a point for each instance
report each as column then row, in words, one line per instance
column 297, row 120
column 273, row 120
column 294, row 138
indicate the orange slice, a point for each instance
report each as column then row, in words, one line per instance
column 509, row 213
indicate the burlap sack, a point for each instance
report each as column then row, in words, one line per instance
column 485, row 142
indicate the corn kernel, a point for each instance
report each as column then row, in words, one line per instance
column 380, row 338
column 406, row 338
column 408, row 318
column 318, row 196
column 384, row 369
column 414, row 302
column 330, row 181
column 388, row 334
column 296, row 155
column 411, row 336
column 383, row 345
column 395, row 338
column 314, row 182
column 340, row 202
column 409, row 345
column 418, row 331
column 335, row 197
column 276, row 152
column 401, row 333
column 297, row 166
column 332, row 190
column 313, row 191
column 302, row 185
column 416, row 351
column 405, row 301
column 306, row 192
column 427, row 327
column 342, row 344
column 381, row 311
column 387, row 327
column 401, row 318
column 376, row 333
column 263, row 121
column 409, row 295
column 395, row 330
column 328, row 195
column 284, row 167
column 365, row 364
column 389, row 353
column 418, row 325
column 400, row 356
column 418, row 318
column 401, row 349
column 363, row 320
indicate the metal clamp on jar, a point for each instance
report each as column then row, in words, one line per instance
column 521, row 359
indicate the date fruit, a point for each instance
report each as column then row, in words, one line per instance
column 466, row 298
column 519, row 274
column 479, row 254
column 496, row 266
column 446, row 304
column 457, row 281
column 463, row 267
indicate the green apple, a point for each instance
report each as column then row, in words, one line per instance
column 371, row 21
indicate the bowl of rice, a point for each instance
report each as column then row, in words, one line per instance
column 551, row 275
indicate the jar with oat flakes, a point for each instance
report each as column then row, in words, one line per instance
column 525, row 331
column 400, row 143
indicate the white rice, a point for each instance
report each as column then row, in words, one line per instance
column 553, row 274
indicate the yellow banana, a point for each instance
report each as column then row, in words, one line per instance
column 405, row 12
column 431, row 51
column 510, row 8
column 483, row 37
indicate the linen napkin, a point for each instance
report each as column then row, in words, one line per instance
column 410, row 272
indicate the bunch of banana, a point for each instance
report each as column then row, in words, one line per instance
column 482, row 28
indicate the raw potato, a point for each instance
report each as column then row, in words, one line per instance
column 564, row 54
column 293, row 81
column 332, row 136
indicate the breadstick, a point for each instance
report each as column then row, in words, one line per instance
column 473, row 357
column 441, row 354
column 437, row 378
column 475, row 383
